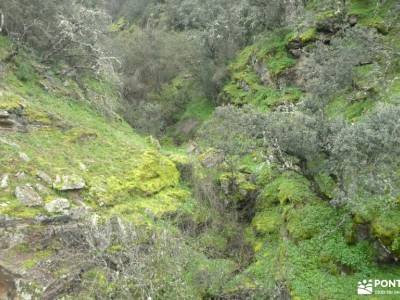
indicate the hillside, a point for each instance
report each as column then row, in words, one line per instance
column 248, row 160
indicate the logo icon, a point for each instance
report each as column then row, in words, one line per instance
column 365, row 287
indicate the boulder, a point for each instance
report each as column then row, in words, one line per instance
column 28, row 196
column 24, row 157
column 328, row 22
column 42, row 189
column 59, row 205
column 20, row 175
column 4, row 181
column 5, row 120
column 44, row 177
column 4, row 114
column 69, row 183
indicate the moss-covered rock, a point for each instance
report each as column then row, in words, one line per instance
column 386, row 228
column 154, row 173
column 267, row 221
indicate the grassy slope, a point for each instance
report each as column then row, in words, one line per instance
column 299, row 240
column 126, row 174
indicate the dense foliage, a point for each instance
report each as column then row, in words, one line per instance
column 271, row 164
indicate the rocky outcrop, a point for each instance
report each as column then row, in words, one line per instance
column 69, row 183
column 59, row 205
column 6, row 122
column 28, row 196
column 44, row 177
column 4, row 181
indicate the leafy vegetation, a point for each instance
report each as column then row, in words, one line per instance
column 188, row 149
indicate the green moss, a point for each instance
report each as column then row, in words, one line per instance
column 279, row 63
column 243, row 59
column 38, row 117
column 293, row 189
column 209, row 276
column 310, row 220
column 11, row 102
column 351, row 111
column 79, row 135
column 386, row 228
column 37, row 257
column 154, row 173
column 308, row 36
column 213, row 243
column 119, row 25
column 326, row 184
column 372, row 14
column 267, row 221
column 199, row 109
column 355, row 110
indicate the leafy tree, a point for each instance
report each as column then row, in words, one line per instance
column 58, row 31
column 234, row 131
column 328, row 69
column 365, row 155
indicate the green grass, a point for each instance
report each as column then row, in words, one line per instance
column 246, row 87
column 200, row 109
column 372, row 14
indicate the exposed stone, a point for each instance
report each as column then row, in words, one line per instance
column 42, row 189
column 261, row 70
column 82, row 167
column 78, row 213
column 23, row 156
column 28, row 196
column 7, row 123
column 4, row 114
column 353, row 20
column 69, row 183
column 44, row 177
column 328, row 22
column 59, row 205
column 211, row 159
column 4, row 181
column 20, row 175
column 192, row 148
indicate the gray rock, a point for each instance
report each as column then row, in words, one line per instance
column 193, row 148
column 24, row 157
column 78, row 213
column 69, row 183
column 28, row 196
column 4, row 114
column 44, row 177
column 83, row 167
column 212, row 159
column 20, row 175
column 42, row 189
column 4, row 181
column 59, row 205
